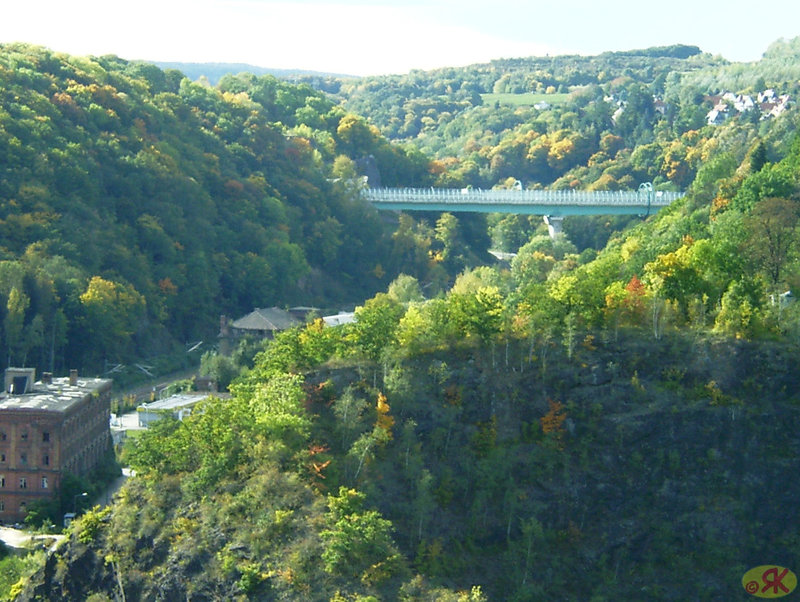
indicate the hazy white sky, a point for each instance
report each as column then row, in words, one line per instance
column 362, row 37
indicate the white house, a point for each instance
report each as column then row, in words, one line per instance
column 179, row 406
column 340, row 318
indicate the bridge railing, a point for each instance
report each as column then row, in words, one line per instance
column 523, row 197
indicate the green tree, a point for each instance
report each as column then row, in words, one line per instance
column 13, row 324
column 772, row 226
column 531, row 265
column 447, row 232
column 350, row 410
column 319, row 342
column 405, row 289
column 277, row 406
column 219, row 434
column 375, row 325
column 415, row 329
column 758, row 157
column 357, row 543
column 424, row 502
column 356, row 136
column 344, row 167
column 706, row 184
column 772, row 180
column 220, row 368
column 674, row 276
column 164, row 448
column 741, row 314
column 477, row 314
column 472, row 280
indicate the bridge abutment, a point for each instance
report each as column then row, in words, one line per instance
column 554, row 224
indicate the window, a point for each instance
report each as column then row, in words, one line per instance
column 46, row 460
column 44, row 482
column 24, row 435
column 23, row 483
column 45, row 437
column 2, row 436
column 2, row 481
column 2, row 505
column 23, row 458
column 2, row 457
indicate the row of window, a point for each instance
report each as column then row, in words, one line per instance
column 23, row 459
column 23, row 482
column 24, row 436
column 22, row 506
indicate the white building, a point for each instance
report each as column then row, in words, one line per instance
column 178, row 406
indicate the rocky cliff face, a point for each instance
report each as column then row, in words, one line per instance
column 673, row 472
column 72, row 572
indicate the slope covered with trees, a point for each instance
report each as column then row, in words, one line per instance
column 581, row 424
column 607, row 122
column 136, row 205
column 515, row 469
column 556, row 430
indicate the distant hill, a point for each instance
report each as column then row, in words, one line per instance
column 215, row 71
column 679, row 51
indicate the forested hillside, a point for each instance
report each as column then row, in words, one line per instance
column 137, row 206
column 502, row 475
column 608, row 122
column 609, row 416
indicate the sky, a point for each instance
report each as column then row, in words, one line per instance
column 361, row 37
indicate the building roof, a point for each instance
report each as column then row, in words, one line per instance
column 56, row 396
column 271, row 318
column 175, row 402
column 340, row 318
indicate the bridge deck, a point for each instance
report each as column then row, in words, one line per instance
column 532, row 202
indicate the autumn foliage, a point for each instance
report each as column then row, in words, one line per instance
column 553, row 422
column 384, row 421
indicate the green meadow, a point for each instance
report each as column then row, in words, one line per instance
column 527, row 99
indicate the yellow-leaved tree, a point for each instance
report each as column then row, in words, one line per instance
column 112, row 312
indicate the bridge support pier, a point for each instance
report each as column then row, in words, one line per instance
column 553, row 224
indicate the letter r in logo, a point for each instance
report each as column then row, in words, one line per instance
column 773, row 580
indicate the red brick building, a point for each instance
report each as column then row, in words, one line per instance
column 48, row 428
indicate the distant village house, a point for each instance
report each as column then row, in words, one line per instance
column 261, row 323
column 768, row 104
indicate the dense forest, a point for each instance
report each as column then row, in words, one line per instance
column 607, row 411
column 137, row 206
column 608, row 122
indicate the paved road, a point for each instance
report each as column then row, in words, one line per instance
column 18, row 538
column 108, row 495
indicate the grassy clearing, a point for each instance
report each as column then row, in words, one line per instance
column 527, row 99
